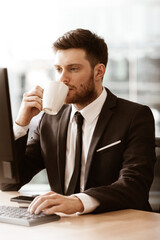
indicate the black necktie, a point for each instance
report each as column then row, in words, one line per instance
column 74, row 185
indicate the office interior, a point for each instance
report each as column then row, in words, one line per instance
column 130, row 28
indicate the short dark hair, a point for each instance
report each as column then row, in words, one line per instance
column 95, row 47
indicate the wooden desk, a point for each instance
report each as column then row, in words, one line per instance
column 118, row 225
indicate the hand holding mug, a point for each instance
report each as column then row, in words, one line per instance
column 31, row 105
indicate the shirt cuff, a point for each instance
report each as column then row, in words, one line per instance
column 89, row 203
column 19, row 131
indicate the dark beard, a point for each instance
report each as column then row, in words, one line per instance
column 87, row 94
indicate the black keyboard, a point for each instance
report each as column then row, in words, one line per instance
column 20, row 216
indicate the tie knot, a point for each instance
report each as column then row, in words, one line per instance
column 79, row 119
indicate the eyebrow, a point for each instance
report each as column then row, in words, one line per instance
column 69, row 65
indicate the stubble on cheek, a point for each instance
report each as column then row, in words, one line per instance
column 84, row 94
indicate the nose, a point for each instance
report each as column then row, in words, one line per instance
column 64, row 77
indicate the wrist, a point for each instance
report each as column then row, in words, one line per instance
column 78, row 204
column 22, row 122
column 19, row 124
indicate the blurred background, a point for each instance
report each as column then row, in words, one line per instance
column 130, row 27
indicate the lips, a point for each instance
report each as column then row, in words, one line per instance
column 71, row 87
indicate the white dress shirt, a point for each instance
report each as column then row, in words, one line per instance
column 90, row 114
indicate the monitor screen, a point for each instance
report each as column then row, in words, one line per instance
column 8, row 164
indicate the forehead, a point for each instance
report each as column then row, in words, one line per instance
column 70, row 56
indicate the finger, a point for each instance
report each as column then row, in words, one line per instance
column 36, row 91
column 41, row 204
column 32, row 99
column 47, row 204
column 39, row 88
column 36, row 199
column 34, row 105
column 39, row 200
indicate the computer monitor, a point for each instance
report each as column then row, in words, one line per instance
column 8, row 164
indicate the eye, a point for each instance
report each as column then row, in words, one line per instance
column 58, row 69
column 74, row 69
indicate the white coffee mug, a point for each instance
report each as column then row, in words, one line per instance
column 54, row 96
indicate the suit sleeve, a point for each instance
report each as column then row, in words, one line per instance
column 131, row 189
column 29, row 160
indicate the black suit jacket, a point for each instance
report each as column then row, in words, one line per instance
column 120, row 176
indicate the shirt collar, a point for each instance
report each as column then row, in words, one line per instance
column 92, row 110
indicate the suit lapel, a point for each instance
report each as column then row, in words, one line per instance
column 61, row 144
column 102, row 122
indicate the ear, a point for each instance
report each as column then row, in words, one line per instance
column 99, row 71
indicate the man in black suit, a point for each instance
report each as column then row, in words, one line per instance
column 118, row 153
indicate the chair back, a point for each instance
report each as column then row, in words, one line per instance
column 154, row 196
